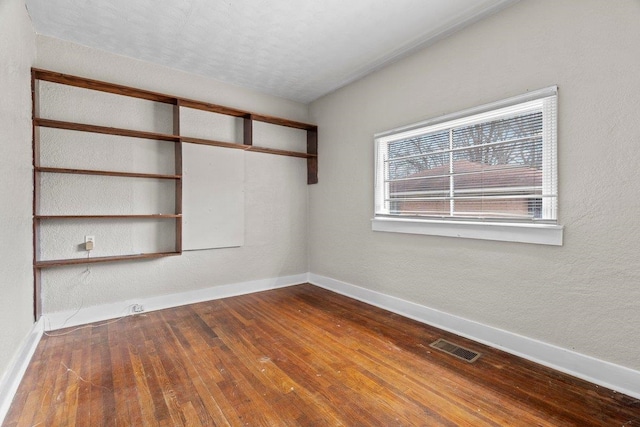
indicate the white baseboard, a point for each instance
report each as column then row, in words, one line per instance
column 18, row 366
column 58, row 320
column 606, row 374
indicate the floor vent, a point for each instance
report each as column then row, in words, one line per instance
column 455, row 350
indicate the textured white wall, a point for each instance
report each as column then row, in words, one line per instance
column 17, row 52
column 583, row 296
column 275, row 187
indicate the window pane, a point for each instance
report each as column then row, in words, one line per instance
column 422, row 144
column 497, row 164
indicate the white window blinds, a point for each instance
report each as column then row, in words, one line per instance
column 493, row 163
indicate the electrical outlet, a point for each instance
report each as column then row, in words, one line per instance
column 89, row 242
column 137, row 308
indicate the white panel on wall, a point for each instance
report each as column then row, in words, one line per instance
column 212, row 197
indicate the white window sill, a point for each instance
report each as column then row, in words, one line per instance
column 541, row 234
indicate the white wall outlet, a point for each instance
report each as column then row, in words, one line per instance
column 89, row 242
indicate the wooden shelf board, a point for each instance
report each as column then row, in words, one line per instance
column 280, row 152
column 83, row 82
column 214, row 143
column 143, row 216
column 107, row 173
column 77, row 261
column 247, row 147
column 212, row 108
column 283, row 122
column 81, row 127
column 164, row 137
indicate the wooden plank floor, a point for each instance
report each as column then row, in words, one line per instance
column 298, row 356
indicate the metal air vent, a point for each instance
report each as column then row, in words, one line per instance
column 455, row 350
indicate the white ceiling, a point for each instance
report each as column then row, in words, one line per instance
column 295, row 49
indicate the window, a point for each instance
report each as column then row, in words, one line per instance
column 488, row 172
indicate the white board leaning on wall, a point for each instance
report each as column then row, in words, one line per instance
column 212, row 197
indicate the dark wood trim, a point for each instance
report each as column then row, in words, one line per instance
column 76, row 261
column 213, row 143
column 312, row 162
column 212, row 108
column 57, row 124
column 37, row 292
column 108, row 173
column 283, row 122
column 247, row 130
column 133, row 216
column 279, row 152
column 83, row 82
column 35, row 162
column 177, row 157
column 247, row 147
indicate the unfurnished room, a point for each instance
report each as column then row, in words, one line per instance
column 319, row 213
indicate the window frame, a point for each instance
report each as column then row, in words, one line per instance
column 547, row 231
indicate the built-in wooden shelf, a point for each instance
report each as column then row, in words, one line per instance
column 248, row 118
column 248, row 147
column 69, row 80
column 107, row 173
column 281, row 152
column 76, row 261
column 312, row 130
column 214, row 143
column 283, row 122
column 85, row 83
column 57, row 124
column 82, row 127
column 141, row 216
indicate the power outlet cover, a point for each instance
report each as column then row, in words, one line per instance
column 89, row 242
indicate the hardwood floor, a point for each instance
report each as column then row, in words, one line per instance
column 298, row 356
